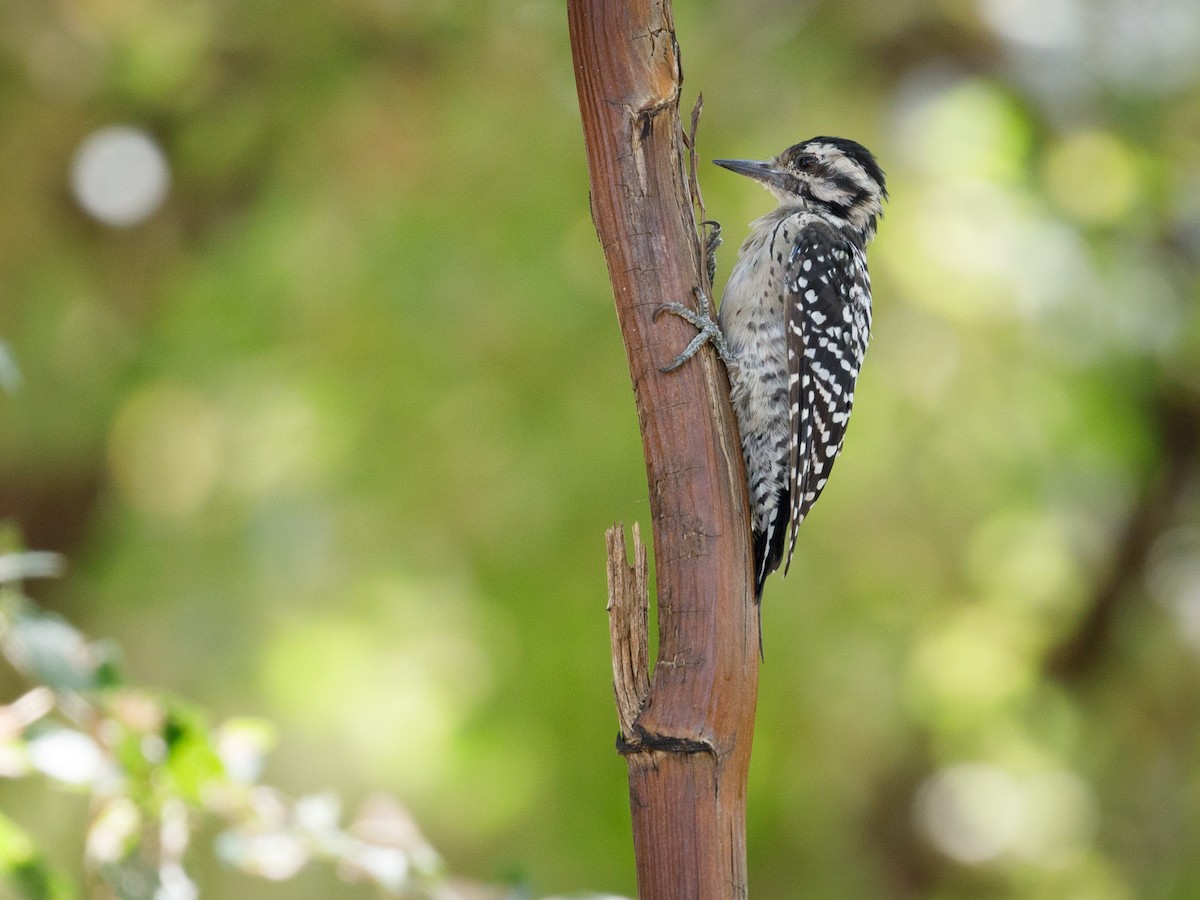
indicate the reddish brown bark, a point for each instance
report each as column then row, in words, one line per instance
column 688, row 745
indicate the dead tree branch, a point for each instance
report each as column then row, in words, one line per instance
column 686, row 731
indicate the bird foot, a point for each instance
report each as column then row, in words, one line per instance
column 708, row 331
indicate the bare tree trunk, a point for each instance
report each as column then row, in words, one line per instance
column 686, row 732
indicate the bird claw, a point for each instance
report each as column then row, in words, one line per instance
column 708, row 331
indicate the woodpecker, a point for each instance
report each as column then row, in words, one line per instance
column 793, row 327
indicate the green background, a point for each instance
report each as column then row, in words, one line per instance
column 333, row 437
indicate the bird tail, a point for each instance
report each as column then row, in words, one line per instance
column 769, row 544
column 768, row 552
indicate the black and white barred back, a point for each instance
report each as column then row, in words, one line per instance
column 796, row 319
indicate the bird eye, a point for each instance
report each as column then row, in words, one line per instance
column 806, row 162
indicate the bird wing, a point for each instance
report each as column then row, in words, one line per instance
column 828, row 326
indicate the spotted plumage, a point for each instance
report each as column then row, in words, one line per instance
column 794, row 324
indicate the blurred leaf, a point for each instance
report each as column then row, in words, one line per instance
column 50, row 650
column 275, row 855
column 192, row 761
column 242, row 745
column 31, row 564
column 24, row 869
column 115, row 832
column 66, row 755
column 133, row 878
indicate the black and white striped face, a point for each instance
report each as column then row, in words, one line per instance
column 833, row 174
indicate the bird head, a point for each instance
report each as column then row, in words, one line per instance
column 832, row 174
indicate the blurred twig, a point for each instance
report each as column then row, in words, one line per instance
column 1178, row 420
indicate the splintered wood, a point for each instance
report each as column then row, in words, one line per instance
column 628, row 624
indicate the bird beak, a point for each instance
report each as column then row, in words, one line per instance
column 764, row 171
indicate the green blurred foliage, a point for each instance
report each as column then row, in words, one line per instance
column 154, row 771
column 333, row 435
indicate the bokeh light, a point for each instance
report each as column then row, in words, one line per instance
column 977, row 813
column 1093, row 176
column 165, row 451
column 971, row 812
column 120, row 176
